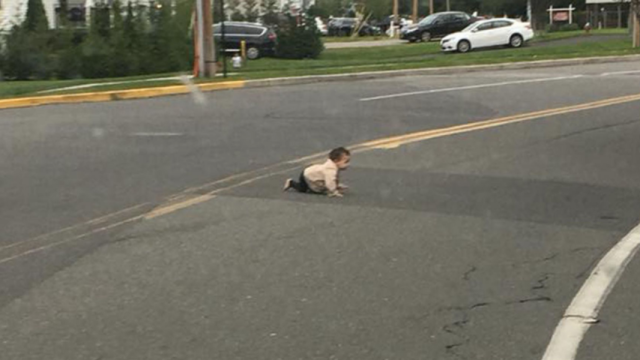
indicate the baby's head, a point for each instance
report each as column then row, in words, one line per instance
column 341, row 157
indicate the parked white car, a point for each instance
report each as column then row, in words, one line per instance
column 488, row 33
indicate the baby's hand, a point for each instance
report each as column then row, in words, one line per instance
column 343, row 187
column 336, row 194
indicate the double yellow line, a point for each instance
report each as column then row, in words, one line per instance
column 394, row 142
column 190, row 196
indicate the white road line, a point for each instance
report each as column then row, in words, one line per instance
column 159, row 134
column 583, row 310
column 620, row 73
column 470, row 87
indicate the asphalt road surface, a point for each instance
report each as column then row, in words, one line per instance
column 118, row 243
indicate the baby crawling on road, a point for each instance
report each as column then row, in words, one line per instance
column 323, row 178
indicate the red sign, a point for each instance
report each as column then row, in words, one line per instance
column 561, row 16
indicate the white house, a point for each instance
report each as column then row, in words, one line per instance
column 13, row 12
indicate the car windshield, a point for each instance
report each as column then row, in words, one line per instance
column 429, row 20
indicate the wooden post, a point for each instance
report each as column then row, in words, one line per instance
column 396, row 19
column 635, row 8
column 431, row 10
column 415, row 11
column 448, row 5
column 209, row 58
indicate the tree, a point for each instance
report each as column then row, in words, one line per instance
column 270, row 12
column 378, row 8
column 96, row 50
column 122, row 58
column 235, row 9
column 63, row 14
column 251, row 10
column 36, row 19
column 299, row 41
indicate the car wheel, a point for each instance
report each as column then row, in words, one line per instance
column 425, row 37
column 464, row 46
column 516, row 41
column 253, row 53
column 413, row 40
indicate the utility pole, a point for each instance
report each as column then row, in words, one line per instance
column 415, row 11
column 430, row 6
column 209, row 58
column 448, row 5
column 396, row 18
column 200, row 35
column 635, row 9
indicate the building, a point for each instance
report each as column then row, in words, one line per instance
column 608, row 13
column 13, row 12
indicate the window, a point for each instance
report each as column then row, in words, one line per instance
column 501, row 23
column 445, row 19
column 485, row 26
column 232, row 29
column 251, row 30
column 461, row 17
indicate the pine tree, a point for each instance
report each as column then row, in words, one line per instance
column 63, row 14
column 251, row 12
column 122, row 59
column 270, row 12
column 36, row 19
column 96, row 50
column 235, row 9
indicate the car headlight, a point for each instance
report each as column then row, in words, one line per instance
column 444, row 41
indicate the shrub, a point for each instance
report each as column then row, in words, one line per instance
column 299, row 41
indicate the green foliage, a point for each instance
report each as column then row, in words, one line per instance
column 234, row 7
column 36, row 19
column 119, row 41
column 251, row 12
column 335, row 8
column 299, row 41
column 561, row 27
column 270, row 15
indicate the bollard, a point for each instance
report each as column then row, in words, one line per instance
column 243, row 50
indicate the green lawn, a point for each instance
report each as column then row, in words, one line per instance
column 338, row 61
column 423, row 55
column 544, row 36
column 333, row 39
column 9, row 89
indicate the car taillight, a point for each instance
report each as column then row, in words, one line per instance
column 272, row 36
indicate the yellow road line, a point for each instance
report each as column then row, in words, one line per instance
column 95, row 221
column 395, row 141
column 384, row 143
column 54, row 244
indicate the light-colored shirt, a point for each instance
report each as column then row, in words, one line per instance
column 322, row 178
column 236, row 61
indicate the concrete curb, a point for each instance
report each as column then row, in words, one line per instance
column 181, row 89
column 113, row 95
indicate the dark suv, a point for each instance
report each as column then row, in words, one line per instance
column 346, row 27
column 259, row 39
column 436, row 26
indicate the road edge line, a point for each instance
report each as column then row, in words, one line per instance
column 583, row 311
